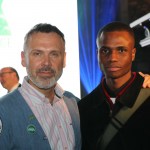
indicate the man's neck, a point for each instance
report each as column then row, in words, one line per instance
column 12, row 88
column 116, row 83
column 49, row 93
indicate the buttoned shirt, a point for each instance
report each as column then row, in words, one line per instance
column 54, row 119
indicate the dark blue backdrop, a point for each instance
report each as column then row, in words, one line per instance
column 92, row 15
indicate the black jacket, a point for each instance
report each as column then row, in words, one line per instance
column 95, row 114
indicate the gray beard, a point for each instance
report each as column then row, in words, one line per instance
column 42, row 83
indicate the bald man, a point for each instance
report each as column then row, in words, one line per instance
column 9, row 78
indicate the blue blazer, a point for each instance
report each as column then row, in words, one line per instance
column 20, row 130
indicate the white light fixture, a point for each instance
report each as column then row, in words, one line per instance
column 146, row 40
column 140, row 20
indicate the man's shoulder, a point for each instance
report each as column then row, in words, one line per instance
column 145, row 92
column 93, row 96
column 71, row 96
column 9, row 104
column 10, row 98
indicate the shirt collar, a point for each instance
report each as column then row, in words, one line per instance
column 59, row 91
column 129, row 97
column 14, row 87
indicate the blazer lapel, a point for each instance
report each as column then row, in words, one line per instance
column 74, row 113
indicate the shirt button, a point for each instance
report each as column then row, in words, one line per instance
column 45, row 138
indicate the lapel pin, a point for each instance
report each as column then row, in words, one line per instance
column 31, row 129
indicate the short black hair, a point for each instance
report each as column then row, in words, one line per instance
column 115, row 26
column 44, row 28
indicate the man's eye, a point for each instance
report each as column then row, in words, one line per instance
column 121, row 49
column 104, row 50
column 54, row 54
column 36, row 54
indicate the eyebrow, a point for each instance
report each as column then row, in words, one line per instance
column 105, row 47
column 113, row 47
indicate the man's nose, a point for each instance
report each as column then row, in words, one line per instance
column 47, row 60
column 113, row 55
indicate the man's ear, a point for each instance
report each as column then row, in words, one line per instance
column 133, row 53
column 64, row 62
column 23, row 62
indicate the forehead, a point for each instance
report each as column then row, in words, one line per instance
column 116, row 37
column 41, row 36
column 4, row 70
column 47, row 40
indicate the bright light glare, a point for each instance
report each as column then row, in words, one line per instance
column 21, row 15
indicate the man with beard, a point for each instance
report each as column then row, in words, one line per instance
column 118, row 92
column 40, row 115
